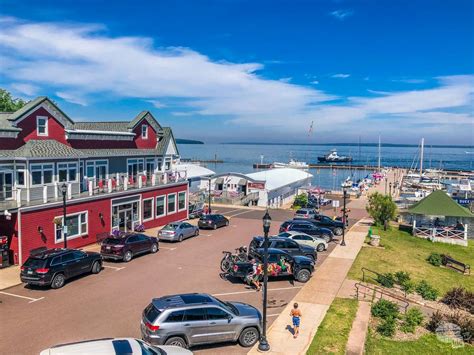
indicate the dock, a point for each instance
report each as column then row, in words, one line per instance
column 199, row 161
column 324, row 166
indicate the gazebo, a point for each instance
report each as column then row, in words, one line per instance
column 441, row 219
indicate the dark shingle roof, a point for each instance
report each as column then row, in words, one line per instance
column 112, row 126
column 165, row 140
column 46, row 148
column 117, row 152
column 29, row 106
column 5, row 124
column 153, row 122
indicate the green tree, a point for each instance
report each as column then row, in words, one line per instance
column 9, row 104
column 381, row 208
column 301, row 200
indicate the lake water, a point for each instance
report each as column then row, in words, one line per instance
column 241, row 157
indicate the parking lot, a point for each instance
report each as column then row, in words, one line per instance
column 110, row 304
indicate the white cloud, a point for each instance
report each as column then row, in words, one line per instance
column 26, row 89
column 340, row 76
column 410, row 81
column 80, row 63
column 315, row 82
column 341, row 14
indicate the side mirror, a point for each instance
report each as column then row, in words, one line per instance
column 229, row 318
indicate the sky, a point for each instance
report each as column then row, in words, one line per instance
column 251, row 71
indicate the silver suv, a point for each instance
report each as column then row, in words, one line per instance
column 195, row 318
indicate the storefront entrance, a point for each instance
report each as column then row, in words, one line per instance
column 6, row 185
column 125, row 216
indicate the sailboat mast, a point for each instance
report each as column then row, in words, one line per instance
column 421, row 156
column 379, row 155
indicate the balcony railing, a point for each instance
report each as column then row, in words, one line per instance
column 17, row 197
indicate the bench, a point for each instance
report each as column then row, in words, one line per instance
column 462, row 267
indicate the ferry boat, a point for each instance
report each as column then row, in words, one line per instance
column 292, row 164
column 333, row 157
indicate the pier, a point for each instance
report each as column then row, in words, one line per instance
column 324, row 166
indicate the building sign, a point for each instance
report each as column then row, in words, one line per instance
column 335, row 203
column 463, row 201
column 256, row 185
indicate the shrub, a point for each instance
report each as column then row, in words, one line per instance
column 386, row 280
column 467, row 328
column 387, row 327
column 381, row 208
column 385, row 309
column 301, row 200
column 459, row 297
column 435, row 321
column 425, row 290
column 411, row 320
column 408, row 287
column 435, row 259
column 401, row 277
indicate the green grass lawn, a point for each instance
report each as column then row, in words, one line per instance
column 332, row 334
column 404, row 252
column 427, row 344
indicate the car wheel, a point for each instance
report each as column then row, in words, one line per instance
column 320, row 247
column 327, row 238
column 215, row 226
column 127, row 256
column 96, row 267
column 338, row 231
column 154, row 248
column 196, row 233
column 303, row 275
column 225, row 264
column 310, row 256
column 226, row 223
column 177, row 341
column 180, row 238
column 58, row 281
column 248, row 337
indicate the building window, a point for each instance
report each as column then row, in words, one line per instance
column 98, row 169
column 41, row 174
column 67, row 172
column 147, row 209
column 42, row 126
column 160, row 206
column 171, row 203
column 76, row 226
column 135, row 167
column 20, row 176
column 144, row 131
column 181, row 201
column 150, row 166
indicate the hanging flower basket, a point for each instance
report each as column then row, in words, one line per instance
column 58, row 221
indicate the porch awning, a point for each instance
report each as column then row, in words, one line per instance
column 220, row 180
column 242, row 182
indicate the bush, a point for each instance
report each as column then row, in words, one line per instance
column 459, row 297
column 301, row 200
column 425, row 290
column 467, row 328
column 385, row 309
column 386, row 280
column 387, row 327
column 435, row 321
column 402, row 277
column 411, row 320
column 435, row 259
column 408, row 287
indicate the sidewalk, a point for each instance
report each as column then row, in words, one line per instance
column 316, row 296
column 10, row 277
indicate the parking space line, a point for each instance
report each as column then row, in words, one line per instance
column 167, row 248
column 24, row 297
column 253, row 291
column 238, row 214
column 114, row 267
column 273, row 315
column 237, row 209
column 205, row 235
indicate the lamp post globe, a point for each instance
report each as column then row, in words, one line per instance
column 263, row 343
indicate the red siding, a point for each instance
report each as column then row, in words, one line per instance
column 142, row 143
column 28, row 126
column 31, row 220
column 9, row 228
column 100, row 144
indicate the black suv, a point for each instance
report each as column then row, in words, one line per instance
column 213, row 221
column 289, row 246
column 127, row 246
column 307, row 226
column 321, row 220
column 52, row 267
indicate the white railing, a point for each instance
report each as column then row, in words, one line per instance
column 428, row 232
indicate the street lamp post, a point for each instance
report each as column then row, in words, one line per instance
column 263, row 344
column 209, row 209
column 390, row 189
column 344, row 195
column 64, row 191
column 385, row 185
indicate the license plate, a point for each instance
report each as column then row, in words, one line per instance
column 108, row 248
column 30, row 272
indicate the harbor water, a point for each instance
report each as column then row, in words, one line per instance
column 241, row 157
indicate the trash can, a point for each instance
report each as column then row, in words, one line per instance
column 4, row 258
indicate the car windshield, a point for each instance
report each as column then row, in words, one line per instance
column 227, row 305
column 113, row 241
column 34, row 263
column 206, row 217
column 301, row 212
column 284, row 235
column 170, row 227
column 151, row 313
column 148, row 350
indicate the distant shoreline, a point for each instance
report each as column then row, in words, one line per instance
column 187, row 141
column 357, row 144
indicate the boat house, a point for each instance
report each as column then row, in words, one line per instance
column 113, row 176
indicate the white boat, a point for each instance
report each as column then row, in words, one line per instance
column 292, row 164
column 347, row 183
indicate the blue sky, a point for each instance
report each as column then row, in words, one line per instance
column 262, row 71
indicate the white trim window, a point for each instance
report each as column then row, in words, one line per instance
column 161, row 206
column 97, row 169
column 20, row 179
column 67, row 172
column 42, row 126
column 42, row 174
column 148, row 209
column 171, row 203
column 182, row 201
column 77, row 226
column 145, row 131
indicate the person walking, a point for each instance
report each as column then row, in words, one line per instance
column 295, row 315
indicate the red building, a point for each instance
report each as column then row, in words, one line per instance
column 114, row 176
